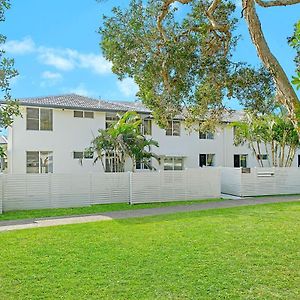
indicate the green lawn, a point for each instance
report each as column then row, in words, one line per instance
column 236, row 253
column 100, row 208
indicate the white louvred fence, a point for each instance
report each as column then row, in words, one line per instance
column 38, row 191
column 260, row 181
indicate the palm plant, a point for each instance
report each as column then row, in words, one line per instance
column 123, row 139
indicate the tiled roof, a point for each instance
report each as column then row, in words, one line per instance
column 3, row 140
column 73, row 101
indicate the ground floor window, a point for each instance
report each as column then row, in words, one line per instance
column 240, row 160
column 143, row 165
column 206, row 160
column 113, row 163
column 299, row 161
column 173, row 163
column 39, row 162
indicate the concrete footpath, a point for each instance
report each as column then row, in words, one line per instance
column 116, row 215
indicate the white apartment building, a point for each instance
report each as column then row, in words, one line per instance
column 54, row 131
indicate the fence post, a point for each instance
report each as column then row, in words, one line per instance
column 130, row 188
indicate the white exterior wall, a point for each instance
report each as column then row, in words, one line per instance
column 75, row 134
column 69, row 134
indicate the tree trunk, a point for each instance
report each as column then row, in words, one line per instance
column 285, row 92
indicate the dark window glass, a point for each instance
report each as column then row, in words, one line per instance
column 46, row 116
column 236, row 161
column 89, row 114
column 202, row 160
column 78, row 114
column 77, row 155
column 32, row 162
column 32, row 118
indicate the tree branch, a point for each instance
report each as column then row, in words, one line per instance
column 276, row 2
column 285, row 92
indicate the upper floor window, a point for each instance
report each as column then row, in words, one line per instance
column 206, row 160
column 110, row 119
column 39, row 162
column 39, row 119
column 206, row 135
column 146, row 127
column 173, row 128
column 240, row 160
column 83, row 114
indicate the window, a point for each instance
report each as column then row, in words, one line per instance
column 110, row 119
column 173, row 128
column 39, row 162
column 89, row 114
column 112, row 163
column 262, row 156
column 39, row 119
column 46, row 119
column 173, row 163
column 142, row 165
column 240, row 160
column 298, row 160
column 81, row 155
column 78, row 114
column 206, row 160
column 206, row 136
column 146, row 127
column 83, row 114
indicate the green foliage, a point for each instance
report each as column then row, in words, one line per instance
column 269, row 132
column 10, row 108
column 294, row 42
column 185, row 66
column 123, row 140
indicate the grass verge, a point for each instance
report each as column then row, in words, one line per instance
column 236, row 253
column 93, row 209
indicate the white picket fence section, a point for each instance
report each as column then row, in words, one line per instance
column 260, row 181
column 175, row 185
column 38, row 191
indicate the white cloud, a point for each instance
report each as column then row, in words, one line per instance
column 97, row 63
column 62, row 59
column 20, row 47
column 80, row 90
column 51, row 75
column 50, row 78
column 55, row 58
column 128, row 87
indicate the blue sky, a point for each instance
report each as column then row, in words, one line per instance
column 56, row 47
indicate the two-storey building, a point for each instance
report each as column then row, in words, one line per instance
column 54, row 131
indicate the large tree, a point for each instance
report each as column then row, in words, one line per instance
column 185, row 64
column 9, row 108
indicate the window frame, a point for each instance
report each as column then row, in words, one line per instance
column 39, row 119
column 149, row 127
column 172, row 164
column 40, row 166
column 207, row 159
column 240, row 160
column 171, row 131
